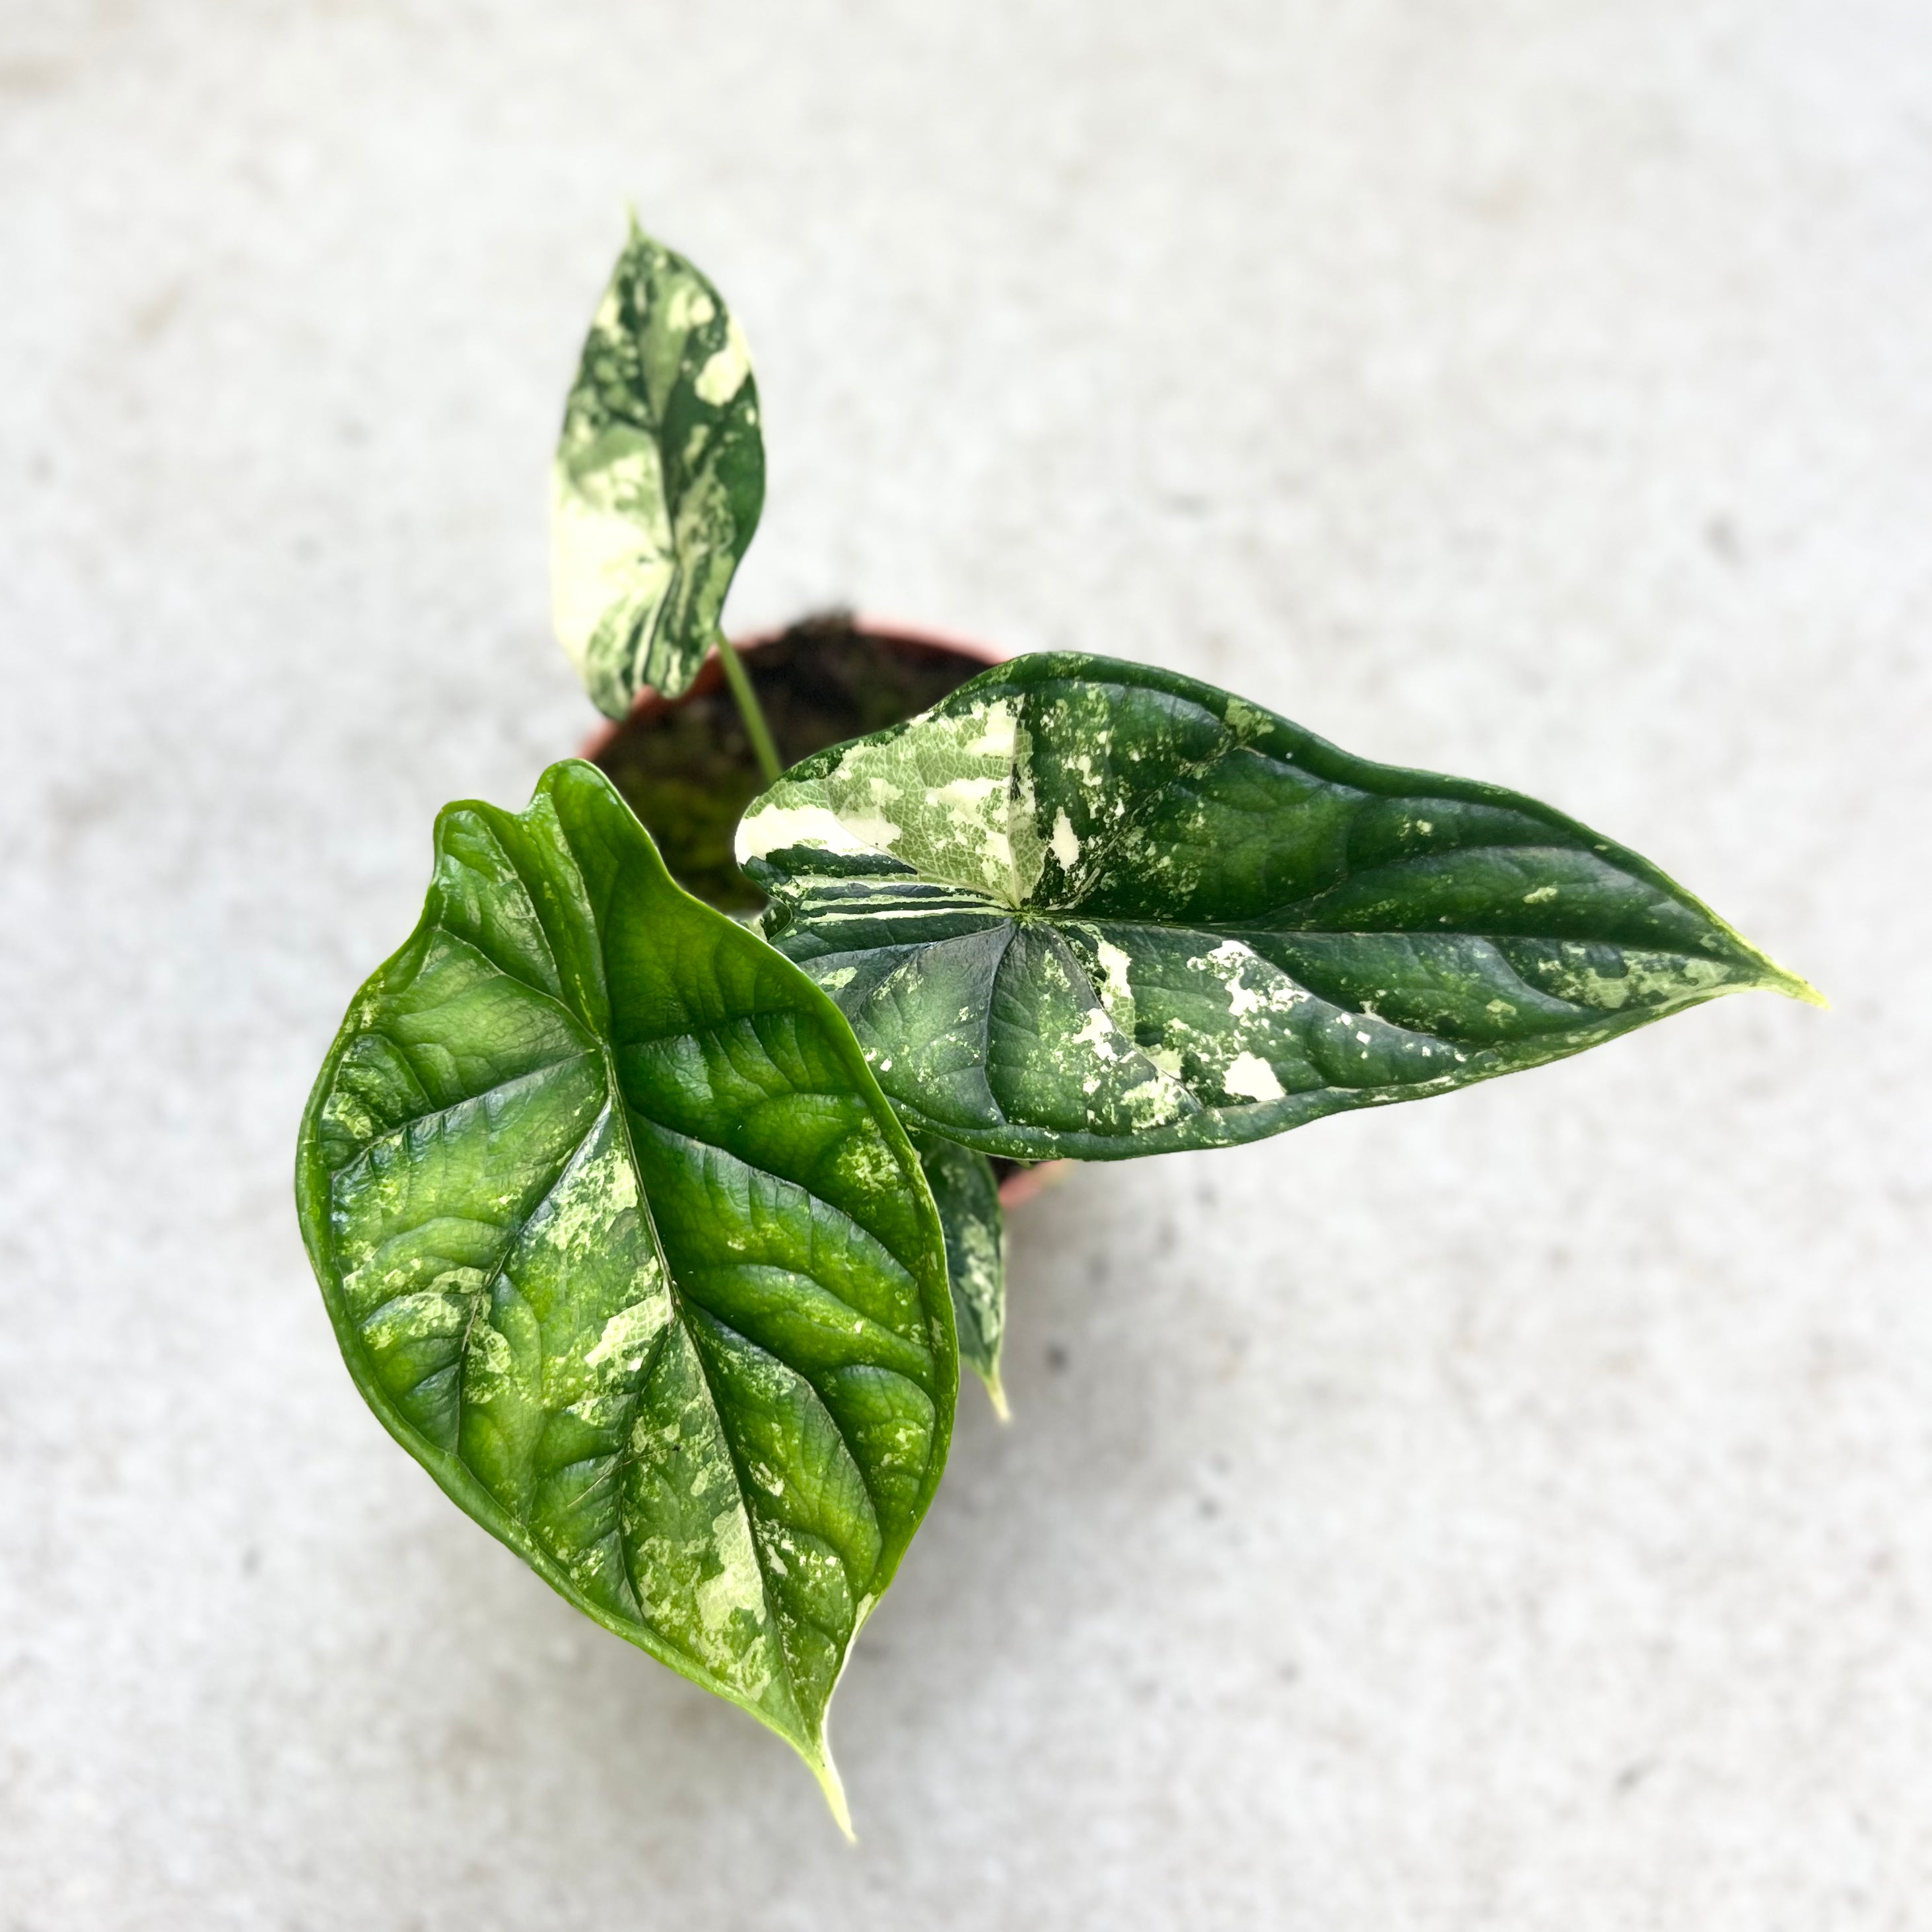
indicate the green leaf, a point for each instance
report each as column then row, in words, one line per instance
column 621, row 1242
column 967, row 1193
column 658, row 479
column 1090, row 908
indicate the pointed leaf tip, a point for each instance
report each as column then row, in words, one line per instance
column 833, row 1786
column 1772, row 977
column 1794, row 987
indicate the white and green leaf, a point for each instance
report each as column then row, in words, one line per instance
column 967, row 1193
column 1086, row 907
column 622, row 1241
column 658, row 481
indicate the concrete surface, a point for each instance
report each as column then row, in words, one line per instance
column 1514, row 1511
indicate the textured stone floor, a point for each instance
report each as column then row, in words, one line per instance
column 1514, row 1511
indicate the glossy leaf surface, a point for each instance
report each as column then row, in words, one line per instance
column 967, row 1193
column 622, row 1241
column 658, row 481
column 1088, row 907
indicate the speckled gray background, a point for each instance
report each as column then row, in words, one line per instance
column 1513, row 1511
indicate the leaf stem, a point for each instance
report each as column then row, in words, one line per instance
column 756, row 729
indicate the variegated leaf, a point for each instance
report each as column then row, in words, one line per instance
column 966, row 1194
column 621, row 1242
column 1087, row 907
column 658, row 481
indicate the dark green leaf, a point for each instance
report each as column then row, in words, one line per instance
column 623, row 1243
column 967, row 1193
column 658, row 479
column 1087, row 907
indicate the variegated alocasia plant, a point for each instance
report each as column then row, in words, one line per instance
column 658, row 1242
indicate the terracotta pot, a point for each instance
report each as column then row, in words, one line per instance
column 907, row 638
column 1017, row 1183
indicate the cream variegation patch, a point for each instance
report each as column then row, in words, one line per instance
column 645, row 539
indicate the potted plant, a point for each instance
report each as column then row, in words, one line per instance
column 657, row 1234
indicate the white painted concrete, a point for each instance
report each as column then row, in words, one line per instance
column 1511, row 1512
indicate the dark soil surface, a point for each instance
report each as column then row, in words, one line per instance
column 687, row 768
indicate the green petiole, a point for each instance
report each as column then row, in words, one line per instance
column 756, row 729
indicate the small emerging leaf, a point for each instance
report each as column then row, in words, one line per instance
column 658, row 482
column 623, row 1243
column 1090, row 908
column 967, row 1193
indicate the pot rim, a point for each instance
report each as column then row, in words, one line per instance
column 711, row 672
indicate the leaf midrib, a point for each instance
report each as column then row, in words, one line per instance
column 599, row 1042
column 1106, row 845
column 618, row 1102
column 1072, row 910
